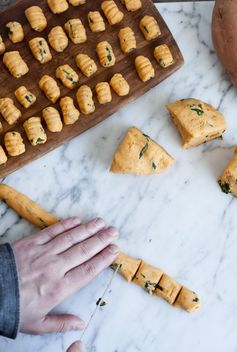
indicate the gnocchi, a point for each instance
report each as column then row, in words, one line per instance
column 147, row 277
column 15, row 64
column 3, row 156
column 68, row 76
column 15, row 32
column 120, row 85
column 58, row 39
column 2, row 46
column 112, row 12
column 227, row 181
column 52, row 119
column 58, row 6
column 96, row 21
column 103, row 91
column 40, row 49
column 150, row 28
column 77, row 2
column 69, row 111
column 187, row 300
column 76, row 31
column 168, row 289
column 36, row 18
column 9, row 111
column 144, row 68
column 85, row 100
column 127, row 40
column 163, row 55
column 105, row 53
column 14, row 143
column 128, row 266
column 132, row 5
column 35, row 131
column 50, row 88
column 87, row 65
column 25, row 97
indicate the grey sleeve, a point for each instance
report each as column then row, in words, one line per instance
column 9, row 293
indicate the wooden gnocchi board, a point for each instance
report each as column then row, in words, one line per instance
column 124, row 65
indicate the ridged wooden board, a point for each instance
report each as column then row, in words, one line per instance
column 124, row 64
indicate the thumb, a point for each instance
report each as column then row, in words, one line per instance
column 76, row 347
column 60, row 323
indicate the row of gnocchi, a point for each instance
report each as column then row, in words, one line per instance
column 35, row 132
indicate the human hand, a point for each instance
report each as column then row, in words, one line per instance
column 56, row 262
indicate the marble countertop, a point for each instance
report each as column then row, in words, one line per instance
column 179, row 221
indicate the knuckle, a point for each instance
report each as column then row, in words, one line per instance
column 69, row 238
column 83, row 250
column 90, row 269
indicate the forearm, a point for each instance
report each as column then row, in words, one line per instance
column 9, row 293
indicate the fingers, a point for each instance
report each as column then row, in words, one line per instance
column 87, row 249
column 60, row 323
column 53, row 231
column 83, row 274
column 76, row 347
column 80, row 233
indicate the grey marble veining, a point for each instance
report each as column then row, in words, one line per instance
column 179, row 221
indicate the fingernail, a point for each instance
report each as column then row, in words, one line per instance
column 113, row 232
column 113, row 249
column 99, row 223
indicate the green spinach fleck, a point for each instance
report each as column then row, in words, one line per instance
column 225, row 187
column 144, row 149
column 101, row 303
column 197, row 108
column 154, row 166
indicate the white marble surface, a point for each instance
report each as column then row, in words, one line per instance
column 179, row 221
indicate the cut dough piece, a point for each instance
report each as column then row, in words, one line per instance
column 3, row 156
column 25, row 97
column 127, row 40
column 58, row 39
column 197, row 122
column 9, row 111
column 106, row 55
column 85, row 100
column 14, row 143
column 77, row 2
column 2, row 46
column 103, row 93
column 36, row 18
column 50, row 88
column 163, row 55
column 147, row 277
column 15, row 64
column 188, row 300
column 228, row 181
column 52, row 119
column 34, row 131
column 96, row 21
column 167, row 288
column 76, row 31
column 112, row 12
column 58, row 6
column 15, row 32
column 132, row 5
column 128, row 266
column 87, row 65
column 120, row 85
column 69, row 111
column 150, row 27
column 68, row 76
column 40, row 49
column 138, row 154
column 144, row 68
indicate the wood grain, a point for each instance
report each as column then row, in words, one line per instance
column 124, row 64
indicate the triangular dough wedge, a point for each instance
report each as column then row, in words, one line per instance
column 138, row 154
column 197, row 122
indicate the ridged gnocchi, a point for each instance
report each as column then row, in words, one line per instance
column 9, row 111
column 35, row 131
column 127, row 40
column 14, row 143
column 150, row 27
column 68, row 76
column 50, row 88
column 58, row 39
column 103, row 91
column 52, row 119
column 132, row 5
column 105, row 53
column 120, row 85
column 40, row 49
column 36, row 18
column 85, row 100
column 76, row 31
column 69, row 111
column 25, row 97
column 15, row 32
column 96, row 21
column 112, row 12
column 144, row 68
column 58, row 6
column 15, row 64
column 3, row 156
column 77, row 2
column 163, row 55
column 1, row 127
column 87, row 65
column 2, row 46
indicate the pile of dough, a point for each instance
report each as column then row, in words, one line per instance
column 52, row 119
column 96, row 21
column 35, row 131
column 58, row 39
column 76, row 31
column 40, row 49
column 50, row 88
column 68, row 76
column 105, row 53
column 36, row 18
column 120, row 85
column 156, row 282
column 9, row 111
column 144, row 68
column 103, row 91
column 150, row 27
column 163, row 55
column 3, row 156
column 127, row 40
column 15, row 32
column 25, row 97
column 58, row 6
column 228, row 180
column 14, row 143
column 69, row 111
column 132, row 5
column 15, row 64
column 138, row 154
column 87, row 65
column 2, row 46
column 112, row 12
column 197, row 122
column 85, row 100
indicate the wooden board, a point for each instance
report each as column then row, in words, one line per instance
column 124, row 64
